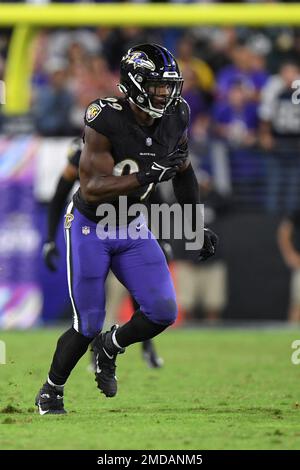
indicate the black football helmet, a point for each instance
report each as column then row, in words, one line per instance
column 143, row 70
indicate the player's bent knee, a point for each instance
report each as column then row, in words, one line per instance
column 91, row 333
column 164, row 311
column 91, row 323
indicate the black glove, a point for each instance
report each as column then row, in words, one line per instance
column 50, row 252
column 162, row 170
column 209, row 245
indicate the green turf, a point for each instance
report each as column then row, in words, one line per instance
column 218, row 390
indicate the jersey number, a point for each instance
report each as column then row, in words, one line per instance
column 128, row 166
column 112, row 102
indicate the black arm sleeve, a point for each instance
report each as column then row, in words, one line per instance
column 186, row 187
column 57, row 204
column 186, row 190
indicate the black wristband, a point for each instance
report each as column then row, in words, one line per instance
column 143, row 179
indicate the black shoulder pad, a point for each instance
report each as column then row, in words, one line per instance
column 101, row 115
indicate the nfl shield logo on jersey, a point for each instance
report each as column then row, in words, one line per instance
column 86, row 230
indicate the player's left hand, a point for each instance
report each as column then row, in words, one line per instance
column 209, row 244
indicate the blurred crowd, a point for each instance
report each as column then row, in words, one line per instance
column 245, row 128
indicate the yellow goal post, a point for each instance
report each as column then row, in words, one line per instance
column 27, row 19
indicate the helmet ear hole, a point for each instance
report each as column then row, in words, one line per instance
column 139, row 78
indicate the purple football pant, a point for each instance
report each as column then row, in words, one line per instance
column 139, row 264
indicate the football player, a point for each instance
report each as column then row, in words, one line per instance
column 130, row 145
column 50, row 253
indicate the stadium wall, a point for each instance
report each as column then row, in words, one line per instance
column 258, row 279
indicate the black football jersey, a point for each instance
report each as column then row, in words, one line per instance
column 133, row 146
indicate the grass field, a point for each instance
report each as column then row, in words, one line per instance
column 219, row 389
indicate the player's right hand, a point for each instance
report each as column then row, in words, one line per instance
column 163, row 170
column 50, row 255
column 209, row 248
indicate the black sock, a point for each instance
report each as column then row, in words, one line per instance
column 138, row 328
column 71, row 346
column 147, row 343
